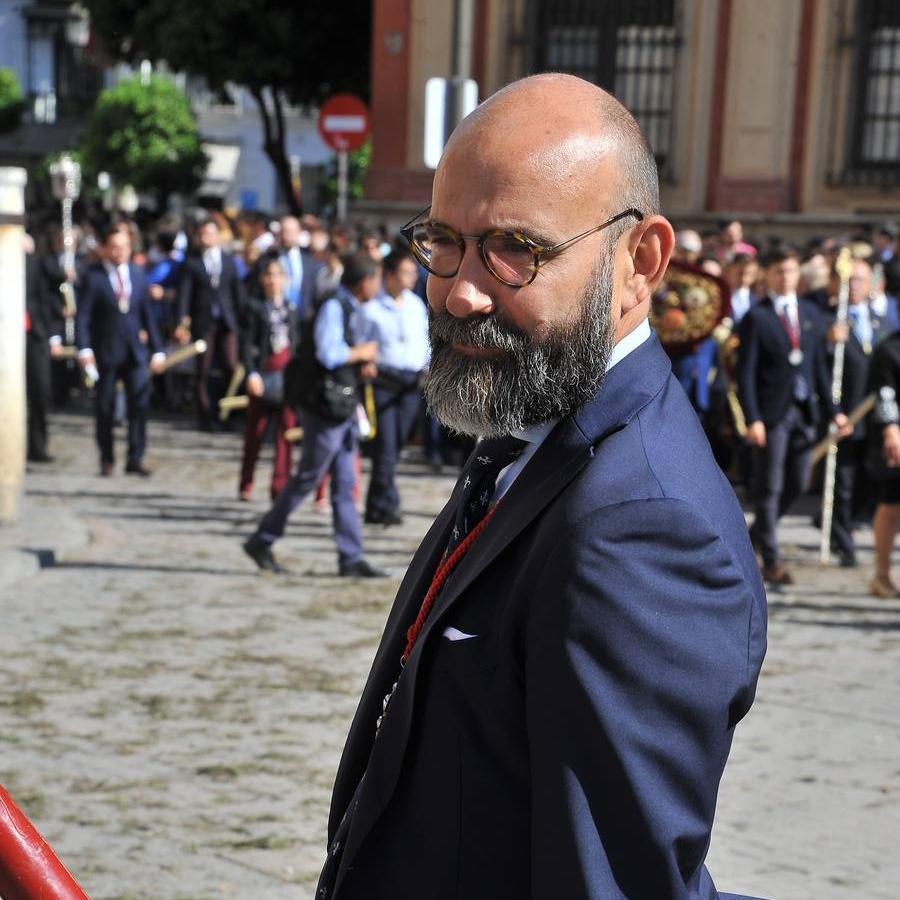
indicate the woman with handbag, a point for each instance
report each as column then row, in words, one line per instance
column 270, row 337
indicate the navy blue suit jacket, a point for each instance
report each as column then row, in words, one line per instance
column 112, row 335
column 764, row 373
column 197, row 296
column 572, row 748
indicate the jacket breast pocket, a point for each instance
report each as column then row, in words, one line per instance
column 464, row 656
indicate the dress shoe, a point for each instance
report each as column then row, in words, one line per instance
column 106, row 469
column 362, row 568
column 883, row 588
column 138, row 468
column 386, row 519
column 847, row 560
column 777, row 573
column 40, row 457
column 261, row 553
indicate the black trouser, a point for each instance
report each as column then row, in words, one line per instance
column 849, row 472
column 136, row 381
column 37, row 389
column 397, row 405
column 782, row 471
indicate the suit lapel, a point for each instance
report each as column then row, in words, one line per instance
column 777, row 326
column 559, row 460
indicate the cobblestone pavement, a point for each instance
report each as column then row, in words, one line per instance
column 172, row 720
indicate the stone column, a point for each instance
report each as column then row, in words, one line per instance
column 12, row 340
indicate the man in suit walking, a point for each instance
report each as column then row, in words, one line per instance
column 864, row 330
column 554, row 697
column 210, row 304
column 784, row 388
column 114, row 328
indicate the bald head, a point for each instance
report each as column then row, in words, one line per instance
column 564, row 129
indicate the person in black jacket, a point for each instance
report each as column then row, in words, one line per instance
column 270, row 337
column 884, row 459
column 38, row 330
column 785, row 389
column 865, row 329
column 113, row 328
column 210, row 306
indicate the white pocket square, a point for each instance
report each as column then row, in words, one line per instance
column 454, row 634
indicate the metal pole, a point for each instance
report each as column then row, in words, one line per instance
column 844, row 267
column 68, row 287
column 342, row 187
column 12, row 340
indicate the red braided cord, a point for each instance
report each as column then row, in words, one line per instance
column 440, row 577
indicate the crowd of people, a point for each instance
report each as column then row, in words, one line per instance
column 245, row 295
column 777, row 356
column 253, row 290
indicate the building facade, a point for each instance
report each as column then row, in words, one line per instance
column 49, row 45
column 785, row 113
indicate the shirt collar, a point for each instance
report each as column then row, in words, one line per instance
column 629, row 343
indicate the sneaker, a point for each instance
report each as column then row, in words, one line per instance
column 362, row 568
column 261, row 553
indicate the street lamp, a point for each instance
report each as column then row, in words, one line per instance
column 65, row 180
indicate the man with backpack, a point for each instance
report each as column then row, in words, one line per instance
column 334, row 352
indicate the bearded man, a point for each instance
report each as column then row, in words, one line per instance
column 553, row 701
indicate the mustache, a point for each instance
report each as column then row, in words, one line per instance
column 482, row 332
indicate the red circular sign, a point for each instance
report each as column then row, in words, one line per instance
column 344, row 122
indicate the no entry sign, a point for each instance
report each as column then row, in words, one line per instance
column 344, row 122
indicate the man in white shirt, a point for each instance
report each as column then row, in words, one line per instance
column 399, row 321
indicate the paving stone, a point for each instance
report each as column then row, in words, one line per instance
column 172, row 720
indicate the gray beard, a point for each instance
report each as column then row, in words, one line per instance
column 534, row 381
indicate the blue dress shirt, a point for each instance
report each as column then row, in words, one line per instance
column 332, row 350
column 401, row 330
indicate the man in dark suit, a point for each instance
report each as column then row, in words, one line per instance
column 583, row 625
column 39, row 316
column 210, row 304
column 113, row 328
column 301, row 268
column 784, row 387
column 865, row 329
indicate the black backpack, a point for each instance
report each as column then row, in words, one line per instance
column 331, row 394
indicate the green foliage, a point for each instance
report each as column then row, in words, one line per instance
column 145, row 135
column 307, row 50
column 357, row 165
column 12, row 103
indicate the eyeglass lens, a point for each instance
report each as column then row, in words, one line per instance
column 509, row 258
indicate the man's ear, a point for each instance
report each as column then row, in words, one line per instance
column 650, row 246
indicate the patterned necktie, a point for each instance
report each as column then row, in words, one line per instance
column 121, row 292
column 480, row 481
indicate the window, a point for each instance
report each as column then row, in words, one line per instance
column 877, row 135
column 628, row 48
column 866, row 147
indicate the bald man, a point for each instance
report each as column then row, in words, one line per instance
column 551, row 706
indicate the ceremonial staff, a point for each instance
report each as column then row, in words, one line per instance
column 65, row 177
column 844, row 268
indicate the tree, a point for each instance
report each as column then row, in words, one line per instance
column 144, row 133
column 12, row 104
column 358, row 162
column 281, row 51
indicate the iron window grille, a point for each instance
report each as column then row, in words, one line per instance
column 869, row 57
column 628, row 47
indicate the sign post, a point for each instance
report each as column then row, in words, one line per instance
column 344, row 125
